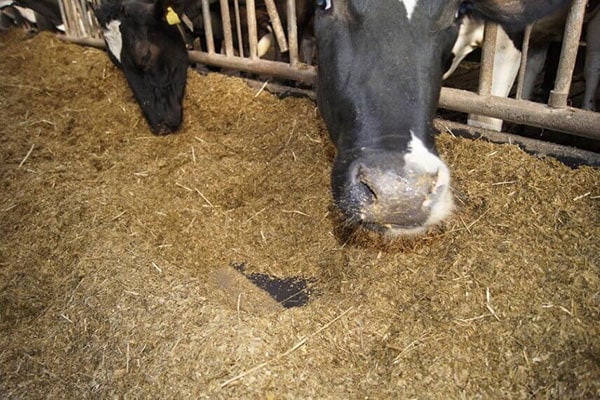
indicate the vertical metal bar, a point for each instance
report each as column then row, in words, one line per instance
column 238, row 27
column 84, row 18
column 90, row 19
column 61, row 6
column 73, row 25
column 67, row 19
column 252, row 34
column 292, row 25
column 276, row 24
column 568, row 55
column 77, row 19
column 523, row 67
column 228, row 36
column 486, row 71
column 95, row 21
column 95, row 29
column 208, row 31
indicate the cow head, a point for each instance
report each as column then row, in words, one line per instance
column 379, row 80
column 152, row 55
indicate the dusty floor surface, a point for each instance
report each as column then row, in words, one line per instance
column 116, row 252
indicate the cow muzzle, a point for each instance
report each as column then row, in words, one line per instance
column 395, row 193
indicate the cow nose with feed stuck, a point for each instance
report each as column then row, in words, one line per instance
column 395, row 192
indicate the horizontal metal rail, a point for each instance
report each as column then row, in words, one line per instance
column 306, row 75
column 570, row 155
column 569, row 120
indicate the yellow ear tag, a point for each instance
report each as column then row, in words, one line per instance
column 172, row 17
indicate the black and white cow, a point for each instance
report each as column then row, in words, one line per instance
column 152, row 55
column 508, row 56
column 39, row 15
column 378, row 85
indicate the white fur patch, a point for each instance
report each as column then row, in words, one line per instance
column 27, row 13
column 409, row 5
column 421, row 157
column 264, row 44
column 113, row 38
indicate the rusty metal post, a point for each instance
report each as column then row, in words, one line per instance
column 63, row 16
column 292, row 31
column 486, row 70
column 238, row 27
column 276, row 24
column 252, row 31
column 569, row 120
column 227, row 34
column 523, row 67
column 568, row 54
column 208, row 31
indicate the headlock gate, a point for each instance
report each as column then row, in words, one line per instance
column 81, row 27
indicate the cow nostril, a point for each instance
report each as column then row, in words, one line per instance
column 365, row 183
column 368, row 189
column 163, row 129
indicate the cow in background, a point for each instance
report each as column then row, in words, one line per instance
column 37, row 15
column 508, row 56
column 152, row 55
column 378, row 85
column 190, row 12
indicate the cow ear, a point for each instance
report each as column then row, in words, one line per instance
column 516, row 14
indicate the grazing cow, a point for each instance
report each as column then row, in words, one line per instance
column 378, row 85
column 152, row 55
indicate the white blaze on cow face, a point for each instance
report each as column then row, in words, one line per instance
column 409, row 5
column 113, row 38
column 420, row 158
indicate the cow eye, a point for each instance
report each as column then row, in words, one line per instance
column 324, row 4
column 464, row 8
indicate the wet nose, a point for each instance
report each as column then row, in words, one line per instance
column 163, row 129
column 394, row 194
column 168, row 124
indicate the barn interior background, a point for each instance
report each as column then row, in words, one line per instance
column 121, row 251
column 237, row 47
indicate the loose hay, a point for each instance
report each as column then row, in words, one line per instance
column 114, row 244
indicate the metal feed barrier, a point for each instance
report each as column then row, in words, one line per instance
column 82, row 27
column 555, row 115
